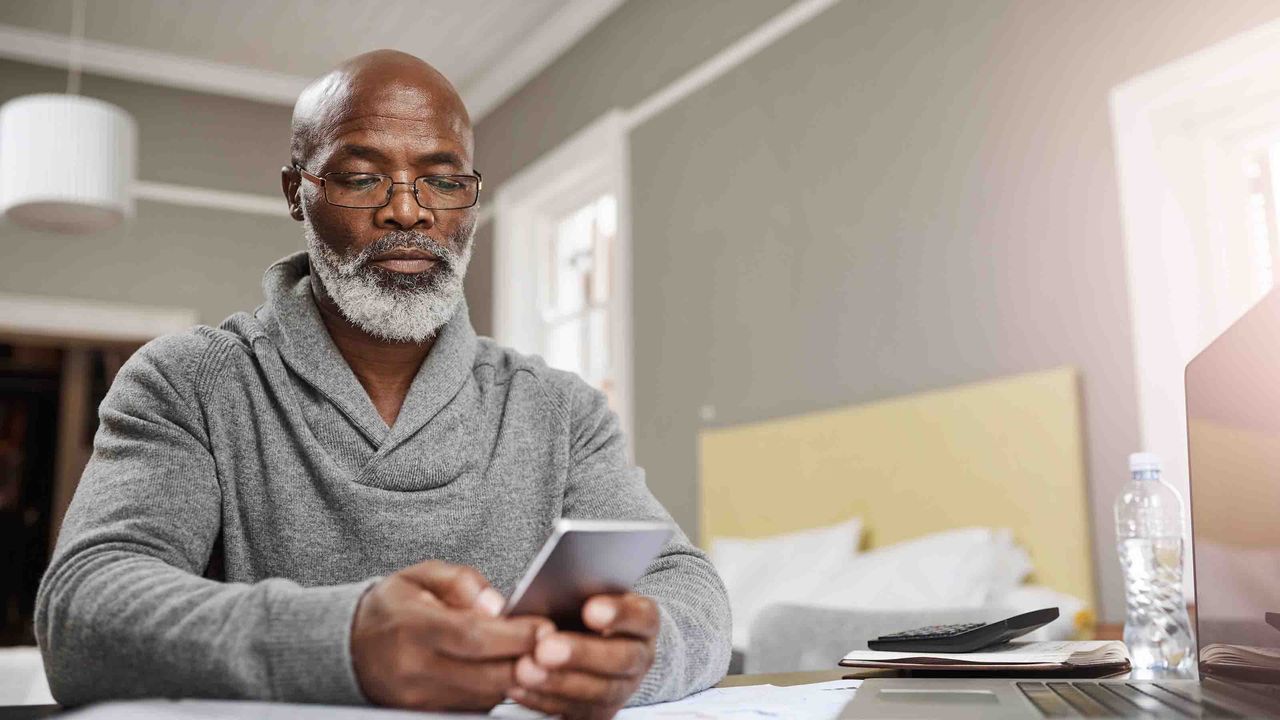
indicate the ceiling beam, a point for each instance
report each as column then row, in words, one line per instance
column 30, row 316
column 481, row 93
column 270, row 205
column 150, row 66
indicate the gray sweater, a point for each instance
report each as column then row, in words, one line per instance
column 257, row 440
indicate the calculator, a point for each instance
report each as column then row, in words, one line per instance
column 964, row 637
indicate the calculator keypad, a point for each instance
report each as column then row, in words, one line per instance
column 933, row 632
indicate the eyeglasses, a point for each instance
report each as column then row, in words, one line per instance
column 373, row 190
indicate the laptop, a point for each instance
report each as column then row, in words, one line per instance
column 1233, row 431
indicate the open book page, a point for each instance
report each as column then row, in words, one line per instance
column 1242, row 662
column 1014, row 653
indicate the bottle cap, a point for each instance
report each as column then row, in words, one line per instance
column 1144, row 461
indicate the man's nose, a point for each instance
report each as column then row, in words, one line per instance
column 403, row 211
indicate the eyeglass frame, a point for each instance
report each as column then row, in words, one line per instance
column 391, row 189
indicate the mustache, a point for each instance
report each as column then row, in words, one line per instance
column 397, row 239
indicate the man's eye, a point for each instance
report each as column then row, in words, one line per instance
column 358, row 182
column 443, row 184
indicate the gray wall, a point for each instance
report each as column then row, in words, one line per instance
column 895, row 197
column 169, row 255
column 637, row 50
column 948, row 211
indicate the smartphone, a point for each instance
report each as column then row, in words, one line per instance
column 583, row 558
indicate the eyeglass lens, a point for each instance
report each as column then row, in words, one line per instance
column 435, row 192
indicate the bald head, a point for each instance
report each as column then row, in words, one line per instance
column 380, row 84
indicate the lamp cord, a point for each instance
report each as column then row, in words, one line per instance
column 77, row 42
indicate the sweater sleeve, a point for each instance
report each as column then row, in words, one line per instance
column 123, row 610
column 693, row 646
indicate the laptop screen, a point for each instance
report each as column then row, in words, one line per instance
column 1233, row 431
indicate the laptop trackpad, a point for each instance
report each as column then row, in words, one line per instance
column 937, row 697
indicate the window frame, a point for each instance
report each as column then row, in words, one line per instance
column 593, row 162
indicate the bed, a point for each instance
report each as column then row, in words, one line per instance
column 1006, row 453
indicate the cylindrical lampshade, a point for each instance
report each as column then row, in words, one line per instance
column 66, row 163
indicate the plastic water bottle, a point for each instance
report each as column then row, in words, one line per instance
column 1149, row 540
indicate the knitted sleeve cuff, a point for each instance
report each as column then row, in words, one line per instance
column 309, row 644
column 655, row 687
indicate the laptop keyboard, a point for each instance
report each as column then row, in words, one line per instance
column 1095, row 699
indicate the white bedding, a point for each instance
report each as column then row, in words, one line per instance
column 965, row 568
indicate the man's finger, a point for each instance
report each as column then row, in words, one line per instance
column 620, row 657
column 457, row 586
column 489, row 678
column 574, row 686
column 469, row 636
column 629, row 614
column 560, row 707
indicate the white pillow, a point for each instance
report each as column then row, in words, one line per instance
column 953, row 569
column 1012, row 563
column 781, row 568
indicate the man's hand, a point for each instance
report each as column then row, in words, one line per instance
column 580, row 676
column 428, row 638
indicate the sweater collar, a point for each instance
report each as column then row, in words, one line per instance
column 293, row 323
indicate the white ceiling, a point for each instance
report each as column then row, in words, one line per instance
column 268, row 50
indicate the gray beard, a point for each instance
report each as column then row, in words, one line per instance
column 392, row 306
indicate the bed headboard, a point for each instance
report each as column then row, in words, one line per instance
column 1004, row 453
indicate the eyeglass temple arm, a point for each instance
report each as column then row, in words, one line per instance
column 308, row 175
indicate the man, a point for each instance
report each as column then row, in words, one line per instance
column 374, row 475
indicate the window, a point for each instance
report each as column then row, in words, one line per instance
column 562, row 261
column 1198, row 149
column 575, row 299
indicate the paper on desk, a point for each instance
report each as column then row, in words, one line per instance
column 820, row 701
column 22, row 680
column 215, row 709
column 817, row 701
column 1015, row 653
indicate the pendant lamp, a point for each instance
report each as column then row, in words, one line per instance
column 67, row 162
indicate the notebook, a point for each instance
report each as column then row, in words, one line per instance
column 1094, row 658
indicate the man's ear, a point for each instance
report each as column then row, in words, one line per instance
column 291, row 184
